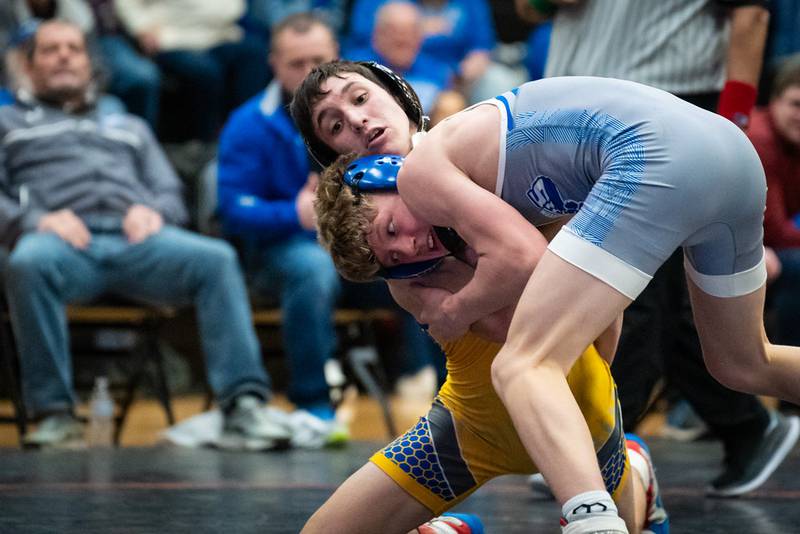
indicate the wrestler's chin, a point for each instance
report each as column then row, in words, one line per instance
column 389, row 143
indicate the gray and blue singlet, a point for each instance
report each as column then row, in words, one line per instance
column 641, row 173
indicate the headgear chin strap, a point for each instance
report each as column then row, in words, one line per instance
column 406, row 271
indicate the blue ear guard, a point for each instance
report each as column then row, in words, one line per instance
column 373, row 173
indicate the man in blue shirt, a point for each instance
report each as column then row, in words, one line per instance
column 266, row 193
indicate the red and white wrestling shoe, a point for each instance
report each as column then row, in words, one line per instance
column 657, row 521
column 453, row 524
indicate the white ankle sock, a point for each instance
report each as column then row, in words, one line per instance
column 589, row 504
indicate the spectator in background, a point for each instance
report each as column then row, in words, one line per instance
column 396, row 43
column 199, row 43
column 75, row 11
column 784, row 37
column 536, row 46
column 89, row 207
column 132, row 76
column 15, row 65
column 266, row 195
column 8, row 22
column 775, row 132
column 269, row 13
column 458, row 32
column 783, row 40
column 18, row 17
column 708, row 53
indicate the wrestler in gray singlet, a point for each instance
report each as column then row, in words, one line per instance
column 643, row 172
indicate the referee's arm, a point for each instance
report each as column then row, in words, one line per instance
column 749, row 22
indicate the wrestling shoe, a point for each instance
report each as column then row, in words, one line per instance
column 449, row 523
column 656, row 521
column 748, row 474
column 251, row 425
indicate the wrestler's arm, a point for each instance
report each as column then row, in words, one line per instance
column 451, row 276
column 507, row 245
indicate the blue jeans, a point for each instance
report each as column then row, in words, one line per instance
column 785, row 295
column 134, row 77
column 172, row 267
column 301, row 274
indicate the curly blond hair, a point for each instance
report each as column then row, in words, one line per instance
column 344, row 219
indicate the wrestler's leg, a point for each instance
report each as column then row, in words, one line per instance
column 562, row 310
column 639, row 501
column 368, row 501
column 736, row 349
column 631, row 503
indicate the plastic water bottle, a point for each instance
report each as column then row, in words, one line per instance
column 101, row 415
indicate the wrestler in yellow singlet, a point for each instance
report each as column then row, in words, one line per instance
column 467, row 437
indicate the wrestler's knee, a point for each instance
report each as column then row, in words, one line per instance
column 504, row 366
column 510, row 364
column 743, row 374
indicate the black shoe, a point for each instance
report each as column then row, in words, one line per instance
column 749, row 473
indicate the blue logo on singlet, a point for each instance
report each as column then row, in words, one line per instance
column 545, row 195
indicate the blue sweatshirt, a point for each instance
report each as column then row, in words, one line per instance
column 263, row 164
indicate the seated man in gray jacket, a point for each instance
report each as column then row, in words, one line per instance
column 89, row 206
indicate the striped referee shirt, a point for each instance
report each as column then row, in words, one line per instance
column 675, row 45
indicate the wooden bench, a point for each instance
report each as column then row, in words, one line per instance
column 147, row 320
column 361, row 358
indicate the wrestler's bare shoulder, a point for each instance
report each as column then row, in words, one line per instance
column 470, row 140
column 478, row 124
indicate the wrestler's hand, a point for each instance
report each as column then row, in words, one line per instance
column 442, row 324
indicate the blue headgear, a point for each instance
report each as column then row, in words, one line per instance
column 370, row 174
column 378, row 173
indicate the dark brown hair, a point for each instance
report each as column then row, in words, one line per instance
column 788, row 76
column 310, row 92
